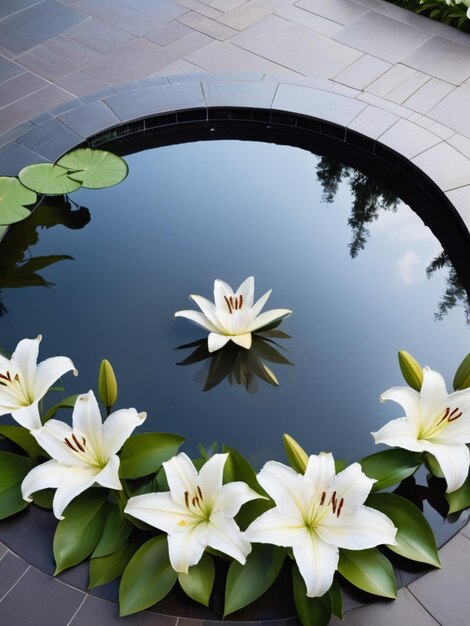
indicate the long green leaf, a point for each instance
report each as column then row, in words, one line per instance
column 148, row 578
column 66, row 403
column 460, row 499
column 13, row 469
column 116, row 530
column 310, row 611
column 415, row 539
column 144, row 454
column 390, row 467
column 23, row 438
column 246, row 583
column 78, row 533
column 336, row 599
column 104, row 569
column 199, row 581
column 368, row 570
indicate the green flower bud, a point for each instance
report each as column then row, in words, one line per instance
column 462, row 375
column 107, row 385
column 411, row 370
column 296, row 455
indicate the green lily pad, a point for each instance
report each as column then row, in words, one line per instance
column 13, row 199
column 49, row 179
column 95, row 169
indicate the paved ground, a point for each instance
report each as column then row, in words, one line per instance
column 71, row 68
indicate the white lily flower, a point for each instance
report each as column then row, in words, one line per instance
column 232, row 316
column 23, row 383
column 82, row 455
column 197, row 512
column 317, row 513
column 435, row 422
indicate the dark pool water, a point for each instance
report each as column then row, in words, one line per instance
column 190, row 213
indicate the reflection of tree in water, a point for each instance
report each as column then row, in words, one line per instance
column 17, row 267
column 368, row 198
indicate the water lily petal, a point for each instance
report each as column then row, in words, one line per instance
column 358, row 530
column 161, row 511
column 210, row 474
column 244, row 341
column 317, row 562
column 352, row 485
column 400, row 433
column 433, row 398
column 208, row 308
column 223, row 534
column 186, row 548
column 247, row 291
column 27, row 416
column 405, row 396
column 48, row 372
column 75, row 481
column 222, row 291
column 198, row 318
column 44, row 476
column 268, row 317
column 118, row 427
column 454, row 461
column 278, row 528
column 181, row 476
column 51, row 437
column 25, row 359
column 109, row 475
column 232, row 496
column 320, row 472
column 86, row 419
column 216, row 341
column 285, row 486
column 259, row 304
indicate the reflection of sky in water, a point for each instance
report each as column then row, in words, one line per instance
column 191, row 213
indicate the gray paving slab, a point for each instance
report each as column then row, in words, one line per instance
column 341, row 11
column 34, row 25
column 8, row 7
column 98, row 612
column 9, row 69
column 400, row 80
column 302, row 51
column 456, row 172
column 397, row 109
column 309, row 20
column 99, row 35
column 442, row 58
column 462, row 144
column 382, row 36
column 363, row 72
column 163, row 10
column 19, row 87
column 79, row 84
column 187, row 44
column 30, row 106
column 373, row 121
column 11, row 569
column 246, row 15
column 460, row 198
column 408, row 138
column 201, row 7
column 453, row 110
column 207, row 26
column 427, row 96
column 50, row 139
column 239, row 93
column 168, row 33
column 15, row 133
column 89, row 119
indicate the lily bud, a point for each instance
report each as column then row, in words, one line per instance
column 296, row 455
column 107, row 385
column 462, row 375
column 411, row 370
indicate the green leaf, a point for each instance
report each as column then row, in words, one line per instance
column 336, row 597
column 107, row 568
column 462, row 375
column 390, row 467
column 198, row 582
column 44, row 498
column 94, row 169
column 460, row 499
column 23, row 438
column 310, row 611
column 144, row 454
column 13, row 469
column 415, row 539
column 49, row 179
column 13, row 198
column 77, row 535
column 66, row 403
column 116, row 530
column 237, row 468
column 368, row 570
column 148, row 578
column 246, row 583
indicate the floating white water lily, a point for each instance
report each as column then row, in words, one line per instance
column 197, row 512
column 82, row 455
column 23, row 383
column 232, row 316
column 316, row 514
column 435, row 422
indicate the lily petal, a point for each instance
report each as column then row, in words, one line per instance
column 433, row 397
column 109, row 475
column 198, row 318
column 232, row 496
column 285, row 487
column 51, row 438
column 118, row 427
column 86, row 419
column 358, row 530
column 186, row 548
column 44, row 476
column 352, row 485
column 161, row 511
column 75, row 481
column 454, row 461
column 208, row 308
column 27, row 416
column 320, row 472
column 224, row 535
column 275, row 527
column 269, row 317
column 48, row 372
column 221, row 291
column 210, row 474
column 25, row 359
column 259, row 304
column 181, row 476
column 317, row 562
column 401, row 433
column 247, row 291
column 244, row 341
column 216, row 341
column 405, row 396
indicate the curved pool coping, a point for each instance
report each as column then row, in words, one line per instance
column 65, row 127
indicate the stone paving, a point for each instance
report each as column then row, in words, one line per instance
column 72, row 68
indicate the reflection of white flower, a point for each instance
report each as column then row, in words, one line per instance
column 233, row 317
column 82, row 455
column 316, row 514
column 23, row 383
column 197, row 512
column 435, row 422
